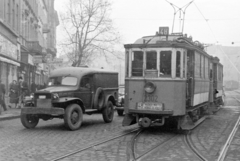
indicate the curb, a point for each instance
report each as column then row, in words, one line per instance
column 9, row 118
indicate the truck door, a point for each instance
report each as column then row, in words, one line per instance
column 86, row 90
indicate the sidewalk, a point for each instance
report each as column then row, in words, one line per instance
column 10, row 114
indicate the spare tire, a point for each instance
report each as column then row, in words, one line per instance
column 99, row 99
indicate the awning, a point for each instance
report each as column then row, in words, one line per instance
column 9, row 61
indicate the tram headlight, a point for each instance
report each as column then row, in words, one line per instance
column 149, row 87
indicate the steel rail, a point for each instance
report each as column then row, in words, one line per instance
column 224, row 150
column 133, row 144
column 138, row 158
column 93, row 145
column 194, row 150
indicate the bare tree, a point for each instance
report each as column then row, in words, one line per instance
column 89, row 30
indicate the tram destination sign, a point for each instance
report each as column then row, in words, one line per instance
column 163, row 31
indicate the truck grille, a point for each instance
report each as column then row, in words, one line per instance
column 44, row 103
column 43, row 100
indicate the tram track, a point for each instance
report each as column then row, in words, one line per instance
column 189, row 143
column 93, row 145
column 224, row 149
column 138, row 157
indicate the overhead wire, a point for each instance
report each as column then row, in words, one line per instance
column 216, row 39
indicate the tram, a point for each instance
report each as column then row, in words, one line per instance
column 170, row 79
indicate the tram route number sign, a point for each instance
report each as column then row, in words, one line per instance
column 149, row 106
column 163, row 31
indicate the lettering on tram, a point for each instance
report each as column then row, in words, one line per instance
column 170, row 78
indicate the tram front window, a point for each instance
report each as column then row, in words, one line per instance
column 151, row 60
column 137, row 63
column 165, row 63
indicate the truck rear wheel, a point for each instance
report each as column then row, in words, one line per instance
column 108, row 112
column 29, row 121
column 73, row 117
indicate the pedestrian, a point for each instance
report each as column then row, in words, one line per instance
column 23, row 88
column 33, row 87
column 2, row 95
column 14, row 93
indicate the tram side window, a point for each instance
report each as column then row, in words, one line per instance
column 202, row 66
column 137, row 63
column 165, row 63
column 151, row 60
column 197, row 68
column 219, row 73
column 178, row 65
column 184, row 57
column 127, row 63
column 206, row 68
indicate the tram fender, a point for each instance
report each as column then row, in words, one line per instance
column 129, row 120
column 185, row 123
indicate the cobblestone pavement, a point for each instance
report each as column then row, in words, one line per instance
column 233, row 153
column 51, row 139
column 208, row 138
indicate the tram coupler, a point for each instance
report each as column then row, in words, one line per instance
column 159, row 122
column 144, row 122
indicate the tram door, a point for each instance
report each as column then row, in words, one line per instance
column 190, row 78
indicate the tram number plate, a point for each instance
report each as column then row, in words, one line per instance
column 149, row 106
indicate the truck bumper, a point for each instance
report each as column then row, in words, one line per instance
column 38, row 110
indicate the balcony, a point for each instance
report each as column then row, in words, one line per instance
column 33, row 46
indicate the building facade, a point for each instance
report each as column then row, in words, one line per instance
column 27, row 39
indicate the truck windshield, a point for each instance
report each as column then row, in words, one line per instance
column 62, row 81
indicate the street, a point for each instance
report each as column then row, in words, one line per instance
column 50, row 140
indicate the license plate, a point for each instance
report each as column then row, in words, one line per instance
column 42, row 97
column 149, row 106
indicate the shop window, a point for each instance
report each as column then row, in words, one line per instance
column 137, row 63
column 151, row 62
column 165, row 63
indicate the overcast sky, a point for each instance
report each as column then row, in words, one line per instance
column 208, row 21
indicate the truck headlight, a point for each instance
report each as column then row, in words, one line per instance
column 149, row 87
column 55, row 96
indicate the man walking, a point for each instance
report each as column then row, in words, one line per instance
column 2, row 95
column 23, row 90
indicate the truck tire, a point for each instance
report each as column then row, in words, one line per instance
column 108, row 112
column 73, row 117
column 99, row 99
column 29, row 121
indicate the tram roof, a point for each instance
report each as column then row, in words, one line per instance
column 174, row 41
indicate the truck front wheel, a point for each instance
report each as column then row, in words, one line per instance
column 29, row 121
column 108, row 112
column 73, row 117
